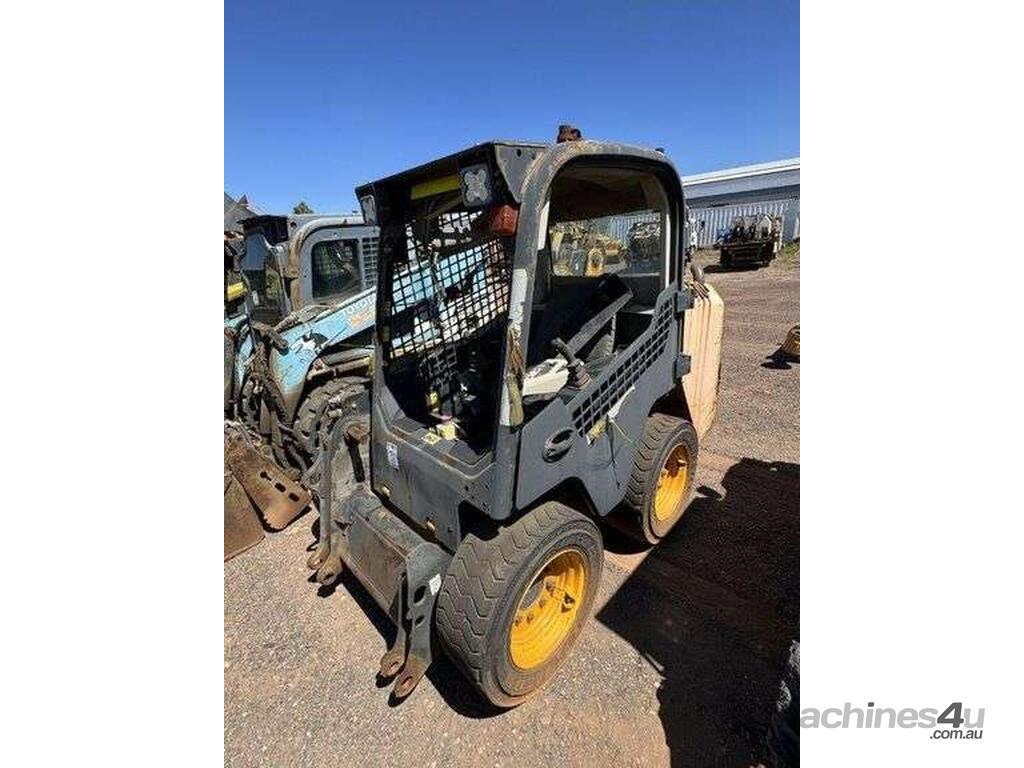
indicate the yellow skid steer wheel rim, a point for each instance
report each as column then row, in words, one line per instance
column 547, row 609
column 672, row 483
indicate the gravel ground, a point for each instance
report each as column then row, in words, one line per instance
column 759, row 405
column 679, row 666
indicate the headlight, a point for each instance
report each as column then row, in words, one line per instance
column 476, row 186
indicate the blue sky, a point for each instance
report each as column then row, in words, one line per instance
column 322, row 96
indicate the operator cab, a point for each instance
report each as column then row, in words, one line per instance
column 512, row 275
column 600, row 268
column 602, row 260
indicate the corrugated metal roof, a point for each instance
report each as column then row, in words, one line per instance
column 745, row 181
column 743, row 171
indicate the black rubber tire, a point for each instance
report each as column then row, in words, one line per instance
column 725, row 260
column 482, row 590
column 311, row 410
column 662, row 433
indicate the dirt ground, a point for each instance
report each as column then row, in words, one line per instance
column 678, row 667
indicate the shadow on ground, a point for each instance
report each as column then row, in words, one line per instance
column 716, row 268
column 779, row 360
column 714, row 608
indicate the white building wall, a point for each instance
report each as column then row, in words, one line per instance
column 736, row 192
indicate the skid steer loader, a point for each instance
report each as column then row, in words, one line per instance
column 514, row 405
column 301, row 340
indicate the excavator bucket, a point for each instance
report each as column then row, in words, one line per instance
column 256, row 491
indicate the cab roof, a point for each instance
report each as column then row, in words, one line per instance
column 442, row 163
column 513, row 160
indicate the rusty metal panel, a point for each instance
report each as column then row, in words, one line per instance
column 277, row 497
column 242, row 528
